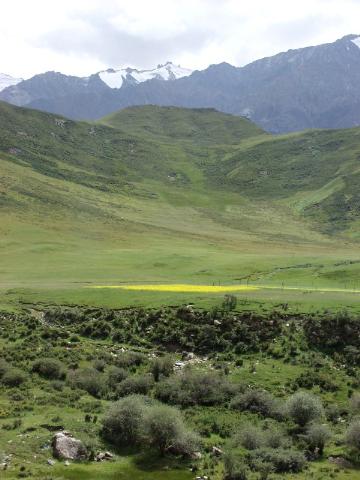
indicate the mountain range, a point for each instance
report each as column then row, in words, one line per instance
column 313, row 87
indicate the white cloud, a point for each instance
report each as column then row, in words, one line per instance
column 84, row 36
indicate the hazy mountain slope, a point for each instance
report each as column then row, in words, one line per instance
column 8, row 81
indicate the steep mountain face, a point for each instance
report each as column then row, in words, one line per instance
column 314, row 87
column 8, row 81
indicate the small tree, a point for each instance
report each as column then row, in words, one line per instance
column 229, row 303
column 316, row 437
column 355, row 403
column 49, row 368
column 162, row 366
column 352, row 436
column 303, row 408
column 13, row 377
column 235, row 468
column 124, row 423
column 251, row 437
column 166, row 431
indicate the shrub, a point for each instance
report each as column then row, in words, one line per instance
column 303, row 408
column 316, row 437
column 87, row 379
column 14, row 377
column 282, row 460
column 352, row 436
column 130, row 359
column 162, row 366
column 166, row 431
column 355, row 403
column 99, row 365
column 235, row 468
column 257, row 401
column 124, row 423
column 186, row 443
column 333, row 413
column 194, row 388
column 96, row 329
column 4, row 367
column 49, row 368
column 137, row 384
column 251, row 437
column 311, row 378
column 116, row 375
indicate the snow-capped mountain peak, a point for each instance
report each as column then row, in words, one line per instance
column 8, row 81
column 356, row 41
column 168, row 71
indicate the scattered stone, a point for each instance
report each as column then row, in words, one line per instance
column 196, row 456
column 103, row 456
column 341, row 462
column 179, row 365
column 217, row 322
column 59, row 122
column 66, row 447
column 50, row 462
column 187, row 356
column 216, row 451
column 66, row 463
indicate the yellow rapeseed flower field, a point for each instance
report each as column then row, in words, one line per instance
column 187, row 288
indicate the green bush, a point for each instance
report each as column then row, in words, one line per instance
column 257, row 401
column 116, row 375
column 166, row 431
column 235, row 467
column 194, row 388
column 162, row 367
column 13, row 377
column 303, row 408
column 283, row 460
column 137, row 384
column 124, row 423
column 352, row 435
column 251, row 437
column 49, row 368
column 136, row 420
column 355, row 403
column 130, row 359
column 4, row 367
column 87, row 379
column 311, row 378
column 316, row 437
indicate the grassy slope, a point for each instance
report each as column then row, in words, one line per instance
column 166, row 194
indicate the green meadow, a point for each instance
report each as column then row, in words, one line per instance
column 168, row 195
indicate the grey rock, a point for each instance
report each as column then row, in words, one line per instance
column 66, row 447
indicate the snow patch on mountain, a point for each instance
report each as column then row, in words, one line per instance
column 356, row 41
column 169, row 71
column 8, row 81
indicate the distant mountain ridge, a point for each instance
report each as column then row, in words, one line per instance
column 312, row 87
column 8, row 81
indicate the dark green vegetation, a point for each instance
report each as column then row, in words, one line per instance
column 275, row 394
column 164, row 194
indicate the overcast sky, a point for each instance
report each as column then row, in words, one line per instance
column 80, row 37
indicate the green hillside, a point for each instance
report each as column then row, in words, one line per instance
column 171, row 195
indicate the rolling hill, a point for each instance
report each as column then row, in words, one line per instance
column 163, row 194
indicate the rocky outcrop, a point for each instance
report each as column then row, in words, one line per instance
column 66, row 447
